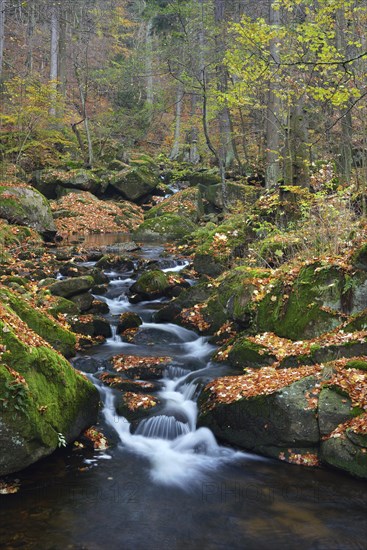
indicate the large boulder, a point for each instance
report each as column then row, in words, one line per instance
column 44, row 402
column 311, row 303
column 134, row 183
column 347, row 451
column 57, row 336
column 26, row 206
column 73, row 286
column 235, row 192
column 48, row 181
column 187, row 202
column 167, row 226
column 266, row 421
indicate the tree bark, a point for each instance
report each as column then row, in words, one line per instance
column 175, row 151
column 273, row 108
column 54, row 57
column 2, row 35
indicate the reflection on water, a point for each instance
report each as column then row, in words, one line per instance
column 97, row 239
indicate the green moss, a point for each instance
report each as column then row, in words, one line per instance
column 151, row 282
column 63, row 306
column 61, row 339
column 169, row 226
column 299, row 314
column 356, row 364
column 245, row 353
column 186, row 203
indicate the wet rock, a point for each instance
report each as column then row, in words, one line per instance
column 149, row 286
column 346, row 453
column 135, row 406
column 334, row 409
column 280, row 419
column 115, row 263
column 133, row 183
column 167, row 226
column 99, row 307
column 72, row 286
column 128, row 320
column 83, row 301
column 145, row 368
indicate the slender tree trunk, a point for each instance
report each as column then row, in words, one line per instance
column 346, row 157
column 149, row 63
column 54, row 51
column 2, row 35
column 175, row 151
column 62, row 60
column 30, row 32
column 272, row 119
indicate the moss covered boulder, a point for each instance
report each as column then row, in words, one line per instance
column 46, row 181
column 152, row 284
column 167, row 226
column 262, row 411
column 187, row 202
column 346, row 450
column 135, row 182
column 26, row 206
column 128, row 320
column 44, row 402
column 67, row 288
column 244, row 353
column 305, row 306
column 57, row 336
column 236, row 192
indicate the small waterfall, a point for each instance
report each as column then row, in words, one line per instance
column 178, row 452
column 162, row 427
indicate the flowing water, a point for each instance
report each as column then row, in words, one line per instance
column 164, row 483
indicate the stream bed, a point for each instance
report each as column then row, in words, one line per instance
column 165, row 484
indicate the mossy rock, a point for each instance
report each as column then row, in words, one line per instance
column 297, row 312
column 47, row 180
column 235, row 192
column 245, row 353
column 115, row 263
column 26, row 206
column 359, row 258
column 128, row 320
column 187, row 203
column 67, row 288
column 135, row 182
column 43, row 401
column 333, row 409
column 276, row 250
column 150, row 285
column 205, row 177
column 281, row 419
column 135, row 406
column 344, row 454
column 168, row 226
column 359, row 364
column 232, row 295
column 58, row 337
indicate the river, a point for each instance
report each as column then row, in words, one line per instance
column 169, row 485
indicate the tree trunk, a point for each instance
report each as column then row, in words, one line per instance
column 62, row 66
column 346, row 157
column 54, row 57
column 149, row 63
column 2, row 35
column 30, row 32
column 175, row 151
column 273, row 108
column 296, row 169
